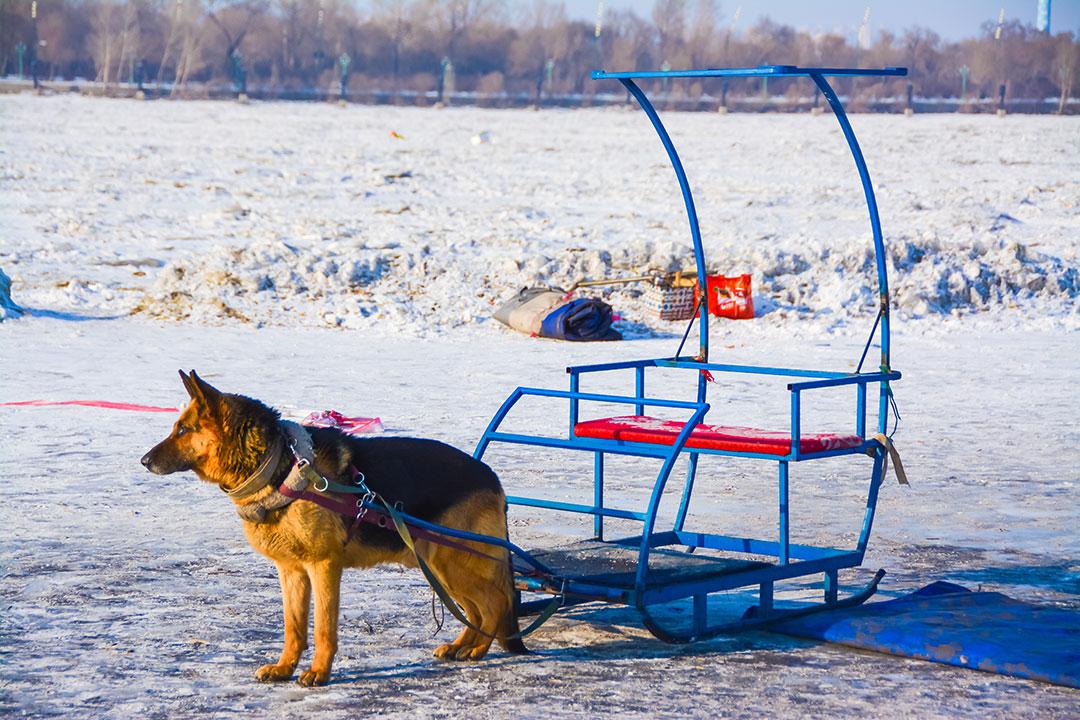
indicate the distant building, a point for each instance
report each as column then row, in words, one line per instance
column 1042, row 20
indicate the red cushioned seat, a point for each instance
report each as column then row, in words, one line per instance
column 645, row 429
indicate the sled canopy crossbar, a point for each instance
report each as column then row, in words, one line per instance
column 665, row 564
column 759, row 71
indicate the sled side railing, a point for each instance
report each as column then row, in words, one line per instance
column 792, row 559
column 818, row 379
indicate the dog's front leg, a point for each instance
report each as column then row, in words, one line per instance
column 295, row 599
column 326, row 577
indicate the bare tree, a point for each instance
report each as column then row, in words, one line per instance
column 65, row 33
column 233, row 19
column 397, row 17
column 629, row 42
column 703, row 39
column 173, row 22
column 104, row 38
column 451, row 20
column 541, row 44
column 399, row 43
column 129, row 38
column 1066, row 58
column 189, row 41
column 922, row 52
column 669, row 19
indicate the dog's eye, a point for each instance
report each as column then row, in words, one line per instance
column 181, row 430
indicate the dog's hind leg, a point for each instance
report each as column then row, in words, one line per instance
column 508, row 627
column 326, row 578
column 295, row 599
column 469, row 592
column 500, row 605
column 478, row 581
column 467, row 638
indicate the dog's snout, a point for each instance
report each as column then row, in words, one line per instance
column 145, row 460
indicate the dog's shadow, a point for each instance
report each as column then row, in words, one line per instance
column 634, row 648
column 585, row 634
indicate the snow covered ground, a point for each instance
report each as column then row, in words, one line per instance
column 300, row 254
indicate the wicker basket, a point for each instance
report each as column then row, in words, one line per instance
column 671, row 299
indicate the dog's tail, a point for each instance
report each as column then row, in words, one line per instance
column 508, row 631
column 514, row 645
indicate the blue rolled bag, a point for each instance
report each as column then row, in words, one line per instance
column 549, row 313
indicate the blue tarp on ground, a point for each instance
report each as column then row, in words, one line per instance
column 949, row 624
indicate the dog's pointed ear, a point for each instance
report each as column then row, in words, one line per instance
column 204, row 392
column 188, row 384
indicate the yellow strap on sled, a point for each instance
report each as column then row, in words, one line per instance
column 890, row 452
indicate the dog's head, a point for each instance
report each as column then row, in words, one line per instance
column 218, row 436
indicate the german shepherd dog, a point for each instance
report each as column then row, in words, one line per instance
column 229, row 439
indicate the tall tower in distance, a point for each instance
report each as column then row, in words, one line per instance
column 1042, row 20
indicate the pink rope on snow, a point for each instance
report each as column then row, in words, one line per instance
column 108, row 404
column 327, row 418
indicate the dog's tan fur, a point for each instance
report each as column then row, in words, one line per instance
column 308, row 545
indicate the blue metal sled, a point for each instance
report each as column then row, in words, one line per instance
column 660, row 565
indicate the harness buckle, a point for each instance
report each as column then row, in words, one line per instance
column 360, row 504
column 325, row 484
column 301, row 462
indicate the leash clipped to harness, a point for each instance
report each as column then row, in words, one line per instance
column 300, row 476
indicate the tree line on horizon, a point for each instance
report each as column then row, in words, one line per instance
column 494, row 46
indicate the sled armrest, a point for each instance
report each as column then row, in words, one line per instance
column 602, row 367
column 860, row 379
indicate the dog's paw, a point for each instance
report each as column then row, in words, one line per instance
column 312, row 677
column 446, row 652
column 453, row 651
column 472, row 652
column 273, row 673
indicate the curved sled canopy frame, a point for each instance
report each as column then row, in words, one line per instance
column 604, row 569
column 818, row 75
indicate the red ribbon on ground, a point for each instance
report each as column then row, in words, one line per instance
column 327, row 418
column 108, row 404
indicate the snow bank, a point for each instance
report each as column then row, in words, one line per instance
column 301, row 214
column 416, row 288
column 927, row 277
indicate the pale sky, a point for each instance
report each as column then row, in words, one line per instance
column 952, row 19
